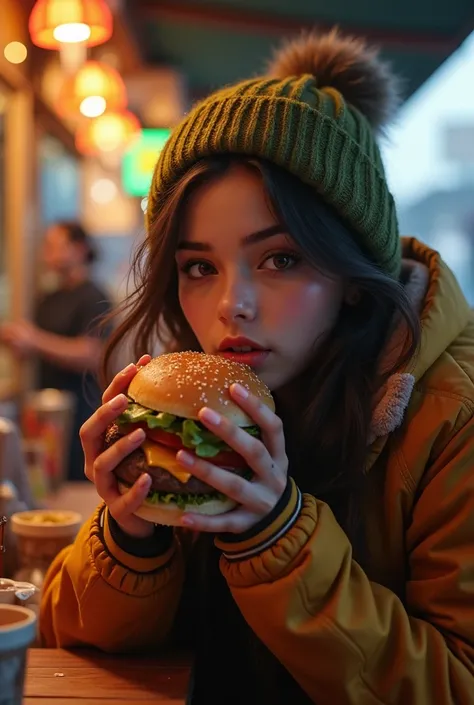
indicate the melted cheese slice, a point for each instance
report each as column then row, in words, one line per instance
column 160, row 457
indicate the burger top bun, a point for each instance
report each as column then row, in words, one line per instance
column 183, row 383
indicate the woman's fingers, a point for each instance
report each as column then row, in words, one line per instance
column 100, row 464
column 269, row 423
column 266, row 458
column 121, row 380
column 144, row 360
column 255, row 497
column 120, row 383
column 121, row 507
column 103, row 466
column 92, row 431
column 124, row 505
column 115, row 402
column 251, row 449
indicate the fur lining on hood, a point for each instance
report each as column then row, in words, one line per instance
column 395, row 396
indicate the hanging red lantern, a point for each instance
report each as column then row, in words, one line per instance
column 95, row 88
column 54, row 22
column 110, row 132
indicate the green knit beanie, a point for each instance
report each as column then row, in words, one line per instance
column 316, row 114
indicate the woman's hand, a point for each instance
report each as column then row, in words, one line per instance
column 266, row 458
column 99, row 466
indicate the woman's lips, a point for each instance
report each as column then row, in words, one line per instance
column 252, row 358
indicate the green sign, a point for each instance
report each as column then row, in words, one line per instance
column 139, row 161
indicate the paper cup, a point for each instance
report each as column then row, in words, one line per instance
column 41, row 534
column 17, row 632
column 46, row 524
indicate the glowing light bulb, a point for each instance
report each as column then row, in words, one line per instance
column 71, row 33
column 93, row 106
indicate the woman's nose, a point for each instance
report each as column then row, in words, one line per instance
column 238, row 301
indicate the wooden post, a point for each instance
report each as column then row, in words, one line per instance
column 19, row 190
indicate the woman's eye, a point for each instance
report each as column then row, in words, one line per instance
column 280, row 261
column 198, row 269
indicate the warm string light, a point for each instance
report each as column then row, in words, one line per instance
column 94, row 89
column 110, row 132
column 56, row 22
column 91, row 89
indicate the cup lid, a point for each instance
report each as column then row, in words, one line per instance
column 22, row 590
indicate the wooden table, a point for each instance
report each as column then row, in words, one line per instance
column 60, row 677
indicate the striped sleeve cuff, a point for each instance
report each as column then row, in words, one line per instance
column 137, row 563
column 239, row 547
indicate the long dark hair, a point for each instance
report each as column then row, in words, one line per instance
column 327, row 436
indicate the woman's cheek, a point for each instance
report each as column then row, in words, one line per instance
column 313, row 302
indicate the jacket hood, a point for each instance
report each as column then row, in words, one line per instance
column 444, row 314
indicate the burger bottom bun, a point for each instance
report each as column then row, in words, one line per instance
column 170, row 514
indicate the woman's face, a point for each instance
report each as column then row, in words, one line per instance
column 244, row 284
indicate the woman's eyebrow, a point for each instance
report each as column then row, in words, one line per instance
column 251, row 239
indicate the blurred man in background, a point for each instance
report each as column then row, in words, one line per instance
column 64, row 336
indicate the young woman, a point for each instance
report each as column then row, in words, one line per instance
column 346, row 573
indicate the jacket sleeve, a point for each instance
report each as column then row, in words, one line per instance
column 351, row 641
column 96, row 594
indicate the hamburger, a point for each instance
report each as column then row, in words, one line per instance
column 165, row 398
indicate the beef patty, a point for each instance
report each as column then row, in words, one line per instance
column 135, row 464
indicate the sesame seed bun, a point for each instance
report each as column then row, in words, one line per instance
column 183, row 383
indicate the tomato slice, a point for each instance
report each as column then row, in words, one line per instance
column 226, row 459
column 171, row 440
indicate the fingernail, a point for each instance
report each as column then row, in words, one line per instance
column 144, row 480
column 210, row 416
column 185, row 458
column 128, row 368
column 137, row 435
column 240, row 391
column 118, row 401
column 187, row 521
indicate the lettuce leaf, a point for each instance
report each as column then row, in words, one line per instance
column 160, row 496
column 161, row 420
column 205, row 443
column 192, row 433
column 133, row 413
column 181, row 500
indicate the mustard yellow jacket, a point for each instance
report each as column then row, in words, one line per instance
column 400, row 633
